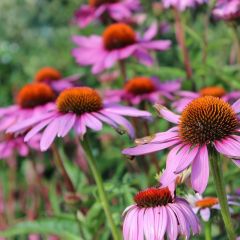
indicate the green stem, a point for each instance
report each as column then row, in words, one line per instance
column 180, row 36
column 237, row 39
column 59, row 164
column 215, row 162
column 100, row 186
column 208, row 230
column 123, row 71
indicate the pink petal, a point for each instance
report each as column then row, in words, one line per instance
column 237, row 162
column 66, row 122
column 167, row 114
column 140, row 225
column 121, row 121
column 92, row 122
column 172, row 226
column 236, row 106
column 80, row 126
column 190, row 215
column 129, row 218
column 105, row 119
column 144, row 57
column 205, row 214
column 161, row 220
column 200, row 170
column 49, row 135
column 127, row 111
column 149, row 223
column 23, row 125
column 151, row 32
column 160, row 45
column 188, row 155
column 229, row 146
column 148, row 148
column 36, row 129
column 183, row 222
column 164, row 136
column 173, row 159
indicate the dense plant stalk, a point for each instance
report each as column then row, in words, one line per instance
column 208, row 230
column 215, row 162
column 180, row 35
column 100, row 187
column 59, row 164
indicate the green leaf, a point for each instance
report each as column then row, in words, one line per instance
column 65, row 228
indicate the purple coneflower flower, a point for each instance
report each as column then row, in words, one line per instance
column 118, row 42
column 54, row 79
column 157, row 212
column 31, row 100
column 9, row 145
column 185, row 97
column 140, row 89
column 205, row 204
column 77, row 108
column 182, row 4
column 116, row 10
column 206, row 124
column 227, row 9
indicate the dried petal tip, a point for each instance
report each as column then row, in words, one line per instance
column 144, row 140
column 159, row 107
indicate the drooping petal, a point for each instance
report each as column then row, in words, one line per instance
column 151, row 32
column 92, row 122
column 183, row 222
column 49, row 135
column 169, row 86
column 237, row 162
column 236, row 106
column 122, row 122
column 23, row 150
column 167, row 114
column 205, row 214
column 172, row 226
column 132, row 234
column 105, row 119
column 140, row 224
column 229, row 146
column 144, row 57
column 66, row 122
column 200, row 170
column 111, row 59
column 173, row 159
column 165, row 136
column 160, row 45
column 148, row 148
column 80, row 126
column 149, row 223
column 23, row 125
column 127, row 111
column 127, row 224
column 36, row 129
column 190, row 215
column 161, row 220
column 188, row 156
